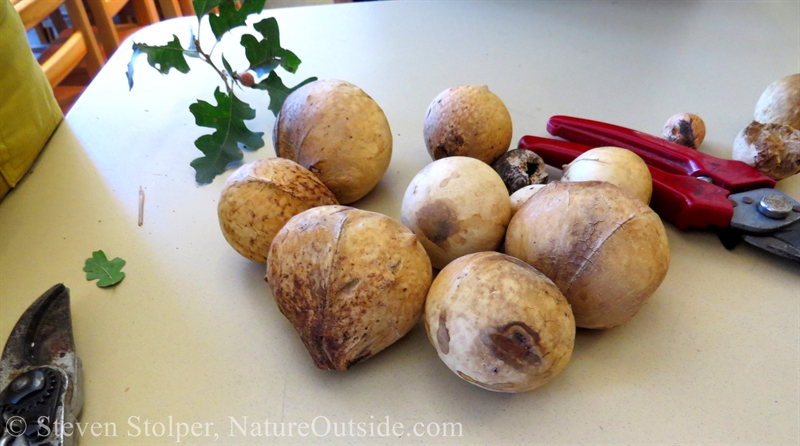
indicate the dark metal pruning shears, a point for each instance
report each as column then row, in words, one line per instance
column 40, row 375
column 690, row 188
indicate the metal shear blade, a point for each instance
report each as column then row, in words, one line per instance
column 768, row 219
column 784, row 243
column 40, row 374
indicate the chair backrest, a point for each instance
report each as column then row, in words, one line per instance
column 104, row 12
column 73, row 47
column 176, row 8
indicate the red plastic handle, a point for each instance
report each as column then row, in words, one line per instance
column 733, row 175
column 684, row 201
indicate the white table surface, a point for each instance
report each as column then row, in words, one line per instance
column 192, row 335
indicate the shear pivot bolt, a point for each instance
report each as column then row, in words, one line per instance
column 775, row 206
column 21, row 383
column 33, row 380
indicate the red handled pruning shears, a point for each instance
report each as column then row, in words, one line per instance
column 690, row 188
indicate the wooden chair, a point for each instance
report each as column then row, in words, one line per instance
column 145, row 13
column 110, row 33
column 176, row 8
column 72, row 47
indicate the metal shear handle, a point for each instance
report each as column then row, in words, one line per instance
column 674, row 158
column 682, row 200
column 40, row 375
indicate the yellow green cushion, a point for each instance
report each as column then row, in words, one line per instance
column 29, row 112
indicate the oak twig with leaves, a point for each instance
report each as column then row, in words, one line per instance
column 228, row 117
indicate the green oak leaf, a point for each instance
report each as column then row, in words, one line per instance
column 271, row 32
column 266, row 54
column 222, row 147
column 108, row 271
column 161, row 57
column 229, row 17
column 203, row 7
column 217, row 157
column 278, row 92
column 262, row 61
column 227, row 67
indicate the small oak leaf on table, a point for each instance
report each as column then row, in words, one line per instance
column 107, row 271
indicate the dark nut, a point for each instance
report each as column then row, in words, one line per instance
column 519, row 168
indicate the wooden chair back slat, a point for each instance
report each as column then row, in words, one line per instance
column 104, row 12
column 65, row 53
column 33, row 12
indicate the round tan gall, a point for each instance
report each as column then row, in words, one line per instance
column 618, row 166
column 780, row 103
column 260, row 197
column 519, row 197
column 499, row 323
column 773, row 149
column 468, row 120
column 339, row 133
column 351, row 282
column 456, row 206
column 605, row 250
column 686, row 129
